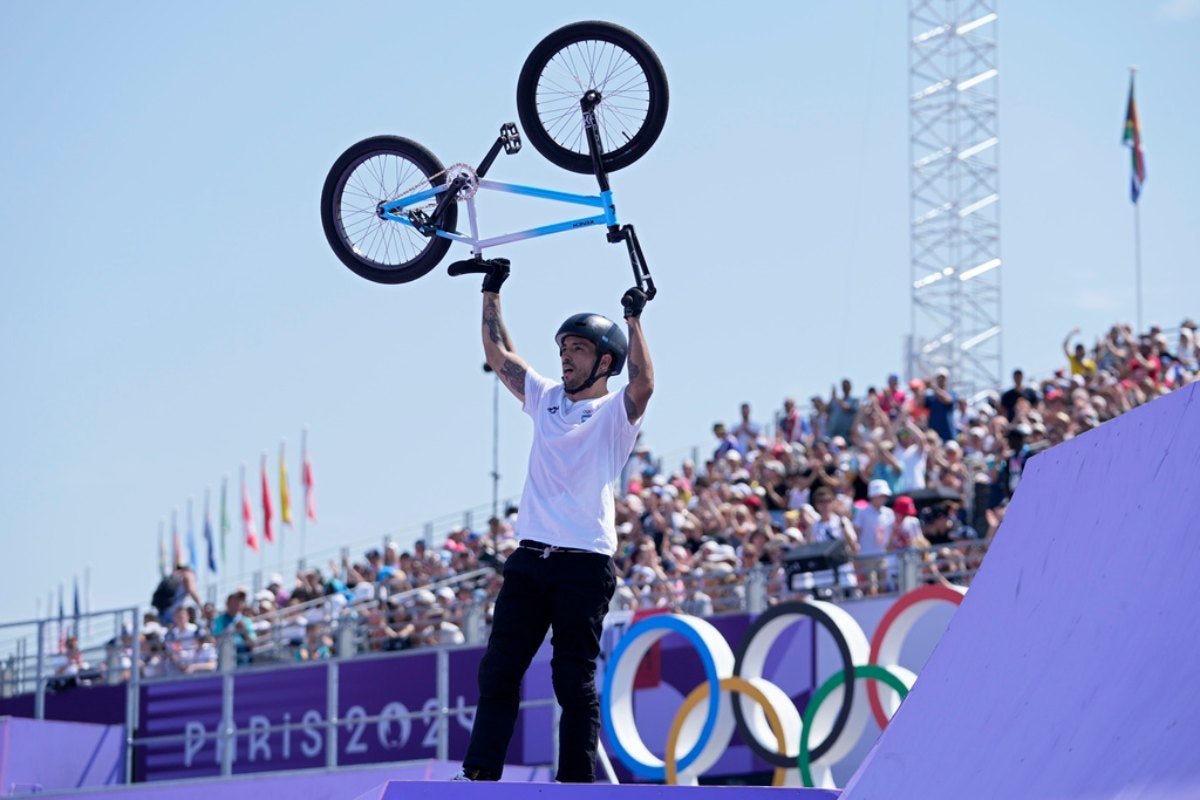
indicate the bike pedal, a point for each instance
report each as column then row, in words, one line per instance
column 511, row 138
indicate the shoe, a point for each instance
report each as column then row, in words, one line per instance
column 461, row 775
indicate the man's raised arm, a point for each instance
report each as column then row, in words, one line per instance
column 498, row 349
column 641, row 370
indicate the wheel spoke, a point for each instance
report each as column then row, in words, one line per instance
column 600, row 65
column 380, row 178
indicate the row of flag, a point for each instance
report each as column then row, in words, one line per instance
column 249, row 528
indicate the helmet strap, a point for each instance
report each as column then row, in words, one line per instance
column 592, row 377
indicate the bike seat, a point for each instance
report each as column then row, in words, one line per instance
column 480, row 265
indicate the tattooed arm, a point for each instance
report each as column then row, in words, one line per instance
column 641, row 372
column 497, row 348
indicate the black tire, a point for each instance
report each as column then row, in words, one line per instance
column 376, row 170
column 592, row 55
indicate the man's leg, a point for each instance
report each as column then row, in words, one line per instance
column 518, row 629
column 583, row 586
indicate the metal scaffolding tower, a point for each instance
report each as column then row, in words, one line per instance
column 954, row 192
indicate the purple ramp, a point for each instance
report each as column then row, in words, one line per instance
column 409, row 790
column 45, row 755
column 1067, row 671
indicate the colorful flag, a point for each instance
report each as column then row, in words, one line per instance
column 248, row 531
column 193, row 561
column 75, row 608
column 208, row 536
column 224, row 515
column 1133, row 140
column 310, row 499
column 176, row 544
column 285, row 503
column 62, row 630
column 162, row 548
column 268, row 524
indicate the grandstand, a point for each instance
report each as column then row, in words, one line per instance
column 725, row 538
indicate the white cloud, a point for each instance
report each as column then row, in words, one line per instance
column 1092, row 299
column 1177, row 10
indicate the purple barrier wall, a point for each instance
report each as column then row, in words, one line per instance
column 391, row 685
column 40, row 756
column 1067, row 671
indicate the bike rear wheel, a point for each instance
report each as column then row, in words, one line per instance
column 609, row 59
column 375, row 171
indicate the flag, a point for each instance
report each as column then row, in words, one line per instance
column 75, row 607
column 62, row 631
column 162, row 548
column 208, row 536
column 285, row 503
column 248, row 532
column 176, row 544
column 1133, row 140
column 268, row 524
column 224, row 515
column 193, row 562
column 310, row 500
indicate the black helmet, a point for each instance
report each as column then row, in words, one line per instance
column 600, row 331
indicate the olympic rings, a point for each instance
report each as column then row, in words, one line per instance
column 617, row 710
column 893, row 629
column 784, row 733
column 868, row 671
column 752, row 655
column 761, row 711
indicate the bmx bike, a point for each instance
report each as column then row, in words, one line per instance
column 591, row 97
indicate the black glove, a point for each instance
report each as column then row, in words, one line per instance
column 495, row 271
column 634, row 301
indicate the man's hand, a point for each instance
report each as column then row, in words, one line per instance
column 495, row 271
column 634, row 301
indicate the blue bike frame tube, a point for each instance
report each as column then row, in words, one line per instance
column 395, row 212
column 396, row 206
column 478, row 245
column 545, row 194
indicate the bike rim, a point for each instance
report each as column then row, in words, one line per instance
column 378, row 178
column 593, row 64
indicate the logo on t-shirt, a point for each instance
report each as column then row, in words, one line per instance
column 587, row 414
column 553, row 409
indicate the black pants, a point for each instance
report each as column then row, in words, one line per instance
column 566, row 591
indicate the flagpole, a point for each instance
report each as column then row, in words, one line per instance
column 282, row 507
column 1137, row 206
column 262, row 561
column 303, row 511
column 1137, row 260
column 1137, row 224
column 242, row 549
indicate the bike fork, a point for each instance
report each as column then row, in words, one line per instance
column 616, row 233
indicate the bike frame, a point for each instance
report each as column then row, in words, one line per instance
column 397, row 211
column 405, row 211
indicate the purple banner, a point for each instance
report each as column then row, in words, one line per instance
column 389, row 707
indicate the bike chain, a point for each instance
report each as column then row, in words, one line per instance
column 465, row 193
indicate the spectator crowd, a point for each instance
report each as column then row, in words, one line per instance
column 902, row 469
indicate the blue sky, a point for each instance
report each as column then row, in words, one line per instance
column 169, row 309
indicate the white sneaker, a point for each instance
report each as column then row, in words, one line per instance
column 461, row 775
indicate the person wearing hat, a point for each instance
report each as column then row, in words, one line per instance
column 874, row 522
column 561, row 577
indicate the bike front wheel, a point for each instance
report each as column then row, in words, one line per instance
column 610, row 60
column 372, row 172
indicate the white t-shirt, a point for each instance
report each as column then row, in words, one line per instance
column 575, row 464
column 913, row 461
column 874, row 529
